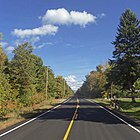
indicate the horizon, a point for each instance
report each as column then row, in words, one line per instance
column 71, row 39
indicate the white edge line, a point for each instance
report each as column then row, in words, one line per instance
column 116, row 116
column 3, row 134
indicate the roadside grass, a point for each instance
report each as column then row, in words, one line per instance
column 132, row 110
column 129, row 108
column 27, row 112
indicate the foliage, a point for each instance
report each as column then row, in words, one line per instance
column 22, row 71
column 137, row 84
column 23, row 81
column 51, row 83
column 126, row 66
column 94, row 86
column 4, row 84
column 121, row 75
column 59, row 87
column 40, row 76
column 127, row 51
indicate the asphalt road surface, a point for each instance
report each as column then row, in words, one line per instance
column 76, row 119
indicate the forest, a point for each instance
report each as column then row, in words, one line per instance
column 25, row 81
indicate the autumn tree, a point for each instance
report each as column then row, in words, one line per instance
column 4, row 84
column 94, row 85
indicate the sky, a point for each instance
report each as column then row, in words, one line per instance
column 71, row 36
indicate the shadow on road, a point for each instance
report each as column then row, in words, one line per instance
column 87, row 112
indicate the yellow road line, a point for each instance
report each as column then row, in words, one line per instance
column 76, row 116
column 77, row 101
column 71, row 122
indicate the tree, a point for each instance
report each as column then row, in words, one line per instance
column 126, row 63
column 59, row 87
column 4, row 84
column 67, row 89
column 22, row 72
column 137, row 84
column 137, row 87
column 51, row 83
column 94, row 86
column 40, row 76
column 3, row 58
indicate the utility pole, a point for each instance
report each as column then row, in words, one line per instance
column 47, row 81
column 111, row 90
column 64, row 87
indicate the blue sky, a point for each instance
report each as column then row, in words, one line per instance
column 71, row 36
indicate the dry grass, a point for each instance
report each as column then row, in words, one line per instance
column 15, row 117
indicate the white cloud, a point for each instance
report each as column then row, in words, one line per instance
column 82, row 19
column 9, row 49
column 43, row 45
column 31, row 40
column 73, row 82
column 58, row 16
column 44, row 30
column 4, row 44
column 18, row 41
column 101, row 15
column 63, row 17
column 49, row 43
column 35, row 39
column 55, row 17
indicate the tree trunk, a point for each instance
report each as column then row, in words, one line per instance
column 133, row 95
column 133, row 100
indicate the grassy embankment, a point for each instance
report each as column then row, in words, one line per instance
column 27, row 112
column 132, row 110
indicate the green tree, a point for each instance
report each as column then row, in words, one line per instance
column 4, row 84
column 22, row 72
column 67, row 89
column 51, row 83
column 59, row 87
column 137, row 87
column 137, row 84
column 126, row 63
column 40, row 77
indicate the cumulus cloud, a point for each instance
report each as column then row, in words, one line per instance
column 56, row 17
column 43, row 30
column 63, row 17
column 73, row 82
column 9, row 49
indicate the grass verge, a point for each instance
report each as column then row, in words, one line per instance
column 132, row 110
column 27, row 112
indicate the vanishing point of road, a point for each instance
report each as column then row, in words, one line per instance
column 75, row 119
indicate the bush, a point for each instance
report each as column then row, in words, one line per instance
column 26, row 100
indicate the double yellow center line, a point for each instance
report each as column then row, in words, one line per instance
column 72, row 121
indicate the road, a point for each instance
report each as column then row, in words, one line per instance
column 76, row 119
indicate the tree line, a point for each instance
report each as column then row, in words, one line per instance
column 120, row 76
column 25, row 81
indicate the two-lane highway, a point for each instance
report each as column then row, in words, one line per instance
column 76, row 119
